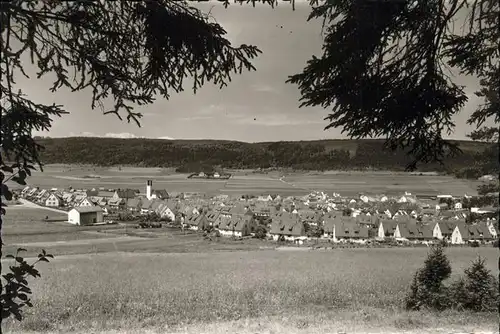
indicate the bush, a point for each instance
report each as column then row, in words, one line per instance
column 427, row 290
column 477, row 291
column 260, row 232
column 474, row 243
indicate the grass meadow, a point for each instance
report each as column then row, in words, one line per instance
column 351, row 288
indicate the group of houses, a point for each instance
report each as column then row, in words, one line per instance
column 296, row 219
column 337, row 227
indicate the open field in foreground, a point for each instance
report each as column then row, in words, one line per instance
column 349, row 290
column 246, row 182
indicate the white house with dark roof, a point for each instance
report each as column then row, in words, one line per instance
column 54, row 201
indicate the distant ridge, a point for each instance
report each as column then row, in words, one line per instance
column 329, row 154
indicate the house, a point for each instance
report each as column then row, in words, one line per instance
column 492, row 227
column 164, row 211
column 188, row 210
column 442, row 206
column 387, row 228
column 237, row 226
column 32, row 192
column 92, row 192
column 85, row 202
column 124, row 194
column 464, row 233
column 25, row 191
column 146, row 206
column 329, row 222
column 105, row 194
column 287, row 228
column 54, row 201
column 44, row 197
column 160, row 194
column 311, row 217
column 348, row 230
column 413, row 231
column 67, row 197
column 78, row 197
column 443, row 230
column 197, row 222
column 368, row 220
column 85, row 215
column 225, row 211
column 134, row 204
column 238, row 209
column 264, row 198
column 117, row 203
column 40, row 195
column 212, row 216
column 101, row 201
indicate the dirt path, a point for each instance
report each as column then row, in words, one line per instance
column 31, row 205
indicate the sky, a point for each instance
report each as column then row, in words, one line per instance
column 256, row 106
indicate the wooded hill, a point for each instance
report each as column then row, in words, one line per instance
column 196, row 155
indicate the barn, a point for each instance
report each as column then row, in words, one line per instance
column 84, row 215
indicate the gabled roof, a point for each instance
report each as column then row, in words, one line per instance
column 161, row 193
column 92, row 192
column 125, row 193
column 330, row 221
column 350, row 229
column 389, row 225
column 446, row 226
column 59, row 198
column 102, row 193
column 288, row 226
column 133, row 202
column 415, row 231
column 146, row 204
column 87, row 209
column 116, row 201
column 310, row 216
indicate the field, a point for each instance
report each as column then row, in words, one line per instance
column 247, row 182
column 183, row 283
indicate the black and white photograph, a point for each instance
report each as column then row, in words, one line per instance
column 250, row 166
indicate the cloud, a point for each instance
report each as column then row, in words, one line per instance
column 166, row 137
column 263, row 88
column 88, row 134
column 123, row 135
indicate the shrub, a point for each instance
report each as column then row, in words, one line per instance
column 260, row 232
column 474, row 244
column 477, row 291
column 427, row 290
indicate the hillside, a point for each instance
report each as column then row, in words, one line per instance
column 305, row 155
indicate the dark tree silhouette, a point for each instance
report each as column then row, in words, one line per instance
column 383, row 70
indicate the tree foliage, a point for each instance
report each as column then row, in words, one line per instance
column 193, row 157
column 427, row 289
column 384, row 66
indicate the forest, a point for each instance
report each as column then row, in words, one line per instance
column 190, row 156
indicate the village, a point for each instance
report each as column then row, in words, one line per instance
column 403, row 220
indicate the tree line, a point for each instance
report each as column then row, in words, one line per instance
column 186, row 156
